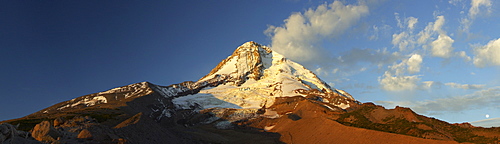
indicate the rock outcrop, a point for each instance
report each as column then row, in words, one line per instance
column 45, row 132
column 9, row 134
column 84, row 134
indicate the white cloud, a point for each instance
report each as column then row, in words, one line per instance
column 398, row 83
column 487, row 55
column 465, row 86
column 414, row 63
column 431, row 29
column 441, row 47
column 406, row 40
column 476, row 100
column 300, row 36
column 395, row 79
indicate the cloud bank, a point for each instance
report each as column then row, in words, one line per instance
column 479, row 99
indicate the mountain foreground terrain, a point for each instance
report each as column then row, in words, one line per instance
column 253, row 96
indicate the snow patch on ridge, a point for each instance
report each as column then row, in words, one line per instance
column 124, row 92
column 129, row 90
column 91, row 101
column 88, row 101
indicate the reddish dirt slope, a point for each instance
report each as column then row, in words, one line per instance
column 305, row 121
column 322, row 130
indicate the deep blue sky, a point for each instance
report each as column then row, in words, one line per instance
column 54, row 51
column 439, row 58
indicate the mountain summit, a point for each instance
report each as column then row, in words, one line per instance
column 253, row 76
column 253, row 96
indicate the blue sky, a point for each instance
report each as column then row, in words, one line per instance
column 440, row 58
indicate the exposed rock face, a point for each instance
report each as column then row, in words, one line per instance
column 133, row 120
column 45, row 132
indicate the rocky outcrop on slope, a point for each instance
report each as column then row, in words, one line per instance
column 45, row 132
column 9, row 134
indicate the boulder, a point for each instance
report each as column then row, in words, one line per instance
column 45, row 132
column 84, row 134
column 59, row 121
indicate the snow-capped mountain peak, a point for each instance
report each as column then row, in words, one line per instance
column 254, row 61
column 253, row 76
column 246, row 62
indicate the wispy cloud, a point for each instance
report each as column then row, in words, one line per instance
column 478, row 99
column 492, row 122
column 372, row 56
column 377, row 31
column 426, row 85
column 405, row 40
column 465, row 86
column 477, row 7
